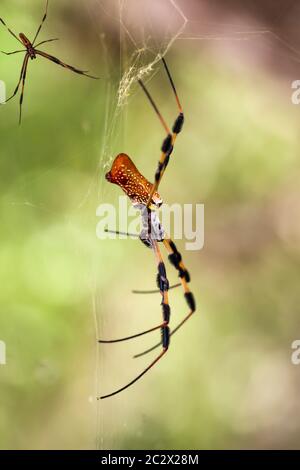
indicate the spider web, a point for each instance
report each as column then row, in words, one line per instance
column 139, row 33
column 143, row 40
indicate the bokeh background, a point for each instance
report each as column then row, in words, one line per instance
column 228, row 380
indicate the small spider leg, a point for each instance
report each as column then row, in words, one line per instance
column 23, row 85
column 176, row 261
column 165, row 331
column 47, row 40
column 14, row 52
column 42, row 22
column 21, row 76
column 10, row 31
column 59, row 62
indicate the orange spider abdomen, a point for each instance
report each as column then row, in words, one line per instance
column 125, row 174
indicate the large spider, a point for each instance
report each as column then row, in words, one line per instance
column 31, row 53
column 144, row 196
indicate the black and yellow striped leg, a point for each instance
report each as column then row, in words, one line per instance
column 175, row 259
column 163, row 285
column 25, row 61
column 23, row 86
column 10, row 31
column 42, row 22
column 63, row 64
column 21, row 80
column 167, row 149
column 47, row 40
column 169, row 141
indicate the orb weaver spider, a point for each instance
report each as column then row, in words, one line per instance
column 31, row 53
column 144, row 197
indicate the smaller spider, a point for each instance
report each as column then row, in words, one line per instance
column 31, row 53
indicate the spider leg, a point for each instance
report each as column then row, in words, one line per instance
column 176, row 260
column 21, row 76
column 165, row 331
column 166, row 127
column 42, row 22
column 173, row 86
column 23, row 85
column 129, row 337
column 117, row 232
column 171, row 334
column 163, row 284
column 47, row 40
column 176, row 129
column 10, row 31
column 136, row 378
column 136, row 291
column 59, row 62
column 166, row 148
column 14, row 52
column 169, row 141
column 154, row 291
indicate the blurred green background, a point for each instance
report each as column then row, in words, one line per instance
column 228, row 380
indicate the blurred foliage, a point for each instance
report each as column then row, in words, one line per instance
column 227, row 380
